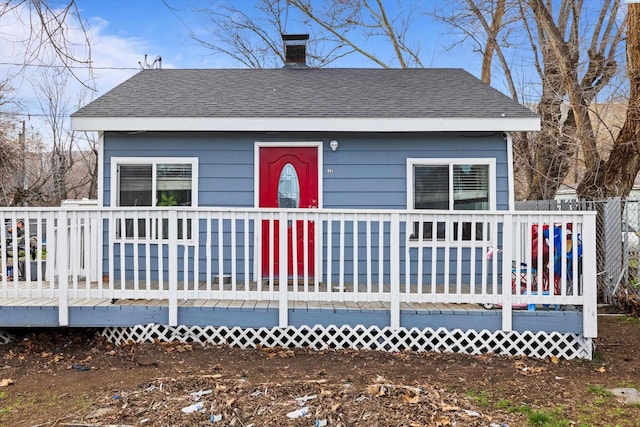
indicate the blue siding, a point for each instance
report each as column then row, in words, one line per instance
column 368, row 170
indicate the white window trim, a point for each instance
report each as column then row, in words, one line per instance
column 115, row 179
column 412, row 162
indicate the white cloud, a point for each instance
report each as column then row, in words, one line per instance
column 114, row 60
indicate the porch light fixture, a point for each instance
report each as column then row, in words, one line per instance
column 333, row 145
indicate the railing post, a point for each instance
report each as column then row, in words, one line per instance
column 62, row 267
column 507, row 256
column 173, row 267
column 589, row 277
column 394, row 270
column 283, row 270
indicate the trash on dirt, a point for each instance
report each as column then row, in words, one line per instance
column 215, row 418
column 79, row 367
column 198, row 394
column 99, row 413
column 301, row 401
column 5, row 382
column 298, row 413
column 321, row 423
column 193, row 408
column 471, row 413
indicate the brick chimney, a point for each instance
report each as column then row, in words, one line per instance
column 295, row 50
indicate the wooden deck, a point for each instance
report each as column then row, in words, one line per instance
column 105, row 312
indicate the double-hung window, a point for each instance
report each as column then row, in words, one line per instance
column 155, row 182
column 450, row 185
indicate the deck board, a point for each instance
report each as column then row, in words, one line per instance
column 255, row 313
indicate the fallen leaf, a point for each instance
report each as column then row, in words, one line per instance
column 443, row 421
column 321, row 381
column 448, row 408
column 372, row 389
column 5, row 382
column 376, row 390
column 183, row 348
column 410, row 399
column 554, row 359
column 324, row 392
column 601, row 369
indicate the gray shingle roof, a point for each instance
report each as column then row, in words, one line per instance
column 302, row 93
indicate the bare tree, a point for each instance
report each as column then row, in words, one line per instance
column 253, row 42
column 562, row 39
column 22, row 175
column 340, row 28
column 616, row 176
column 82, row 179
column 9, row 135
column 53, row 103
column 352, row 24
column 54, row 37
column 574, row 58
column 70, row 166
column 47, row 35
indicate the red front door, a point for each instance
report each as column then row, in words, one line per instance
column 288, row 179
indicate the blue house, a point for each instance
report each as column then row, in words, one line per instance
column 319, row 207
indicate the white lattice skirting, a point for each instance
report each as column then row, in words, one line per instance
column 530, row 344
column 6, row 337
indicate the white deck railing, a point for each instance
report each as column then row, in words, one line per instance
column 393, row 257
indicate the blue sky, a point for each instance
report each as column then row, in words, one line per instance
column 151, row 28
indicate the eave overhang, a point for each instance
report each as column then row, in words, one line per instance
column 297, row 124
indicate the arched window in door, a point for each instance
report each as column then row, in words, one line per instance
column 288, row 188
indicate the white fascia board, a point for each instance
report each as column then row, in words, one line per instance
column 311, row 124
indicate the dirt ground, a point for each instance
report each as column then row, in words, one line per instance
column 75, row 378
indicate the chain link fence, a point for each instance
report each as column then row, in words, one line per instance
column 630, row 240
column 617, row 240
